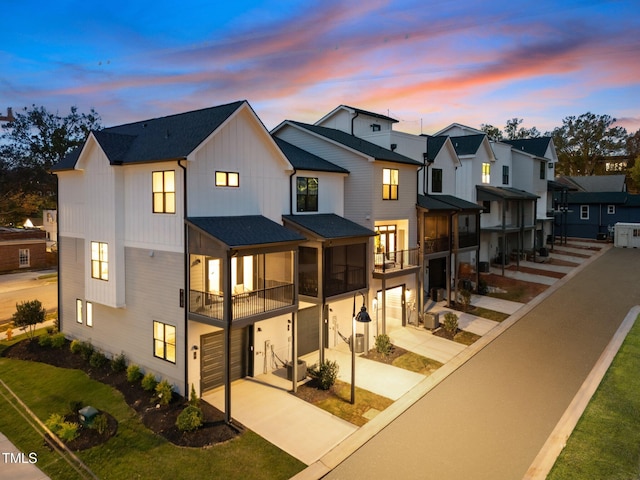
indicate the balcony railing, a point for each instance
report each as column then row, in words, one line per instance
column 435, row 245
column 467, row 240
column 346, row 278
column 244, row 304
column 399, row 260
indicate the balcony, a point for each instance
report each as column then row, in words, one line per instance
column 396, row 262
column 467, row 240
column 343, row 279
column 435, row 245
column 245, row 303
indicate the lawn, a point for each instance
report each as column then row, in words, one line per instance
column 135, row 452
column 605, row 442
column 416, row 363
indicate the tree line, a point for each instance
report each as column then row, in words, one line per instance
column 37, row 139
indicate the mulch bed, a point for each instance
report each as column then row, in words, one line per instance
column 161, row 419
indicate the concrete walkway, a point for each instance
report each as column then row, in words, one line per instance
column 15, row 465
column 491, row 415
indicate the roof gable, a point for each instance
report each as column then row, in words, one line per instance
column 303, row 160
column 534, row 146
column 328, row 226
column 354, row 143
column 355, row 110
column 468, row 144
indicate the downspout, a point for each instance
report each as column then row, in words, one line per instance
column 352, row 120
column 58, row 248
column 186, row 278
column 291, row 190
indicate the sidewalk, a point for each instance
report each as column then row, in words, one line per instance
column 15, row 465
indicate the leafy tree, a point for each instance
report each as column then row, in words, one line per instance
column 583, row 143
column 512, row 131
column 29, row 146
column 28, row 315
column 494, row 133
column 634, row 172
column 633, row 154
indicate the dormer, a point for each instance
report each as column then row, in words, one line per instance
column 356, row 121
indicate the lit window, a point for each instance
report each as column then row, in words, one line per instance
column 227, row 179
column 24, row 257
column 584, row 212
column 78, row 310
column 164, row 341
column 486, row 173
column 389, row 184
column 89, row 314
column 99, row 260
column 307, row 200
column 611, row 209
column 164, row 192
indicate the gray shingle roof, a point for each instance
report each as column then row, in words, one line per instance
column 371, row 114
column 446, row 202
column 158, row 139
column 611, row 198
column 596, row 183
column 303, row 160
column 358, row 144
column 434, row 145
column 244, row 231
column 329, row 225
column 533, row 146
column 467, row 144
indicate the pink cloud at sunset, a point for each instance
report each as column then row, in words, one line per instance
column 433, row 63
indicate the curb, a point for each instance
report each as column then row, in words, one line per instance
column 556, row 442
column 353, row 442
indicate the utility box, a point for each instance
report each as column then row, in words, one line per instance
column 627, row 235
column 87, row 415
column 431, row 320
column 302, row 370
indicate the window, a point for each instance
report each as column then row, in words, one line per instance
column 345, row 269
column 584, row 212
column 486, row 204
column 389, row 183
column 164, row 341
column 505, row 175
column 543, row 170
column 375, row 127
column 227, row 179
column 23, row 257
column 436, row 180
column 486, row 173
column 307, row 194
column 164, row 191
column 99, row 260
column 89, row 314
column 611, row 209
column 78, row 310
column 636, row 232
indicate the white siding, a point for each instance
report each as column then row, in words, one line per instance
column 330, row 192
column 240, row 146
column 71, row 203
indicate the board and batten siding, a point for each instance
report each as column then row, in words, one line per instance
column 330, row 192
column 241, row 145
column 71, row 204
column 142, row 227
column 71, row 279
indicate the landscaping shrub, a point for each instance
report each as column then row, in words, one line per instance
column 86, row 350
column 58, row 340
column 66, row 431
column 325, row 374
column 44, row 340
column 450, row 323
column 98, row 359
column 164, row 392
column 191, row 418
column 193, row 397
column 75, row 347
column 134, row 374
column 149, row 382
column 100, row 423
column 383, row 344
column 465, row 299
column 119, row 363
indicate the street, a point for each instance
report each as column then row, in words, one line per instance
column 26, row 286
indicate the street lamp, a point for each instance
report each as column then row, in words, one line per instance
column 362, row 317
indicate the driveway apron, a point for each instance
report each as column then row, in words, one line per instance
column 490, row 418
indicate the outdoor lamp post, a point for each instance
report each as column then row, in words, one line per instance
column 362, row 317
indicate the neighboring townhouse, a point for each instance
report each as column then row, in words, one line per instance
column 22, row 248
column 380, row 194
column 50, row 225
column 172, row 249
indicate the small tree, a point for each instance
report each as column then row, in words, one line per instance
column 325, row 374
column 28, row 315
column 450, row 323
column 465, row 299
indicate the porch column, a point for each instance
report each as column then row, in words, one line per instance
column 504, row 235
column 294, row 351
column 384, row 305
column 227, row 305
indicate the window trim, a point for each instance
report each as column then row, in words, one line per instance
column 308, row 207
column 89, row 319
column 102, row 274
column 505, row 174
column 438, row 178
column 584, row 212
column 611, row 209
column 168, row 196
column 486, row 173
column 388, row 190
column 164, row 341
column 543, row 170
column 223, row 179
column 24, row 258
column 79, row 314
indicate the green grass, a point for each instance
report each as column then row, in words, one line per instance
column 135, row 452
column 606, row 440
column 417, row 363
column 489, row 314
column 466, row 338
column 339, row 404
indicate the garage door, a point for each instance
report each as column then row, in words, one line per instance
column 212, row 358
column 308, row 330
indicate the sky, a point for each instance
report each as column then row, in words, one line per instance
column 425, row 63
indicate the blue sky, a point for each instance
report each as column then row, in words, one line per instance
column 427, row 64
